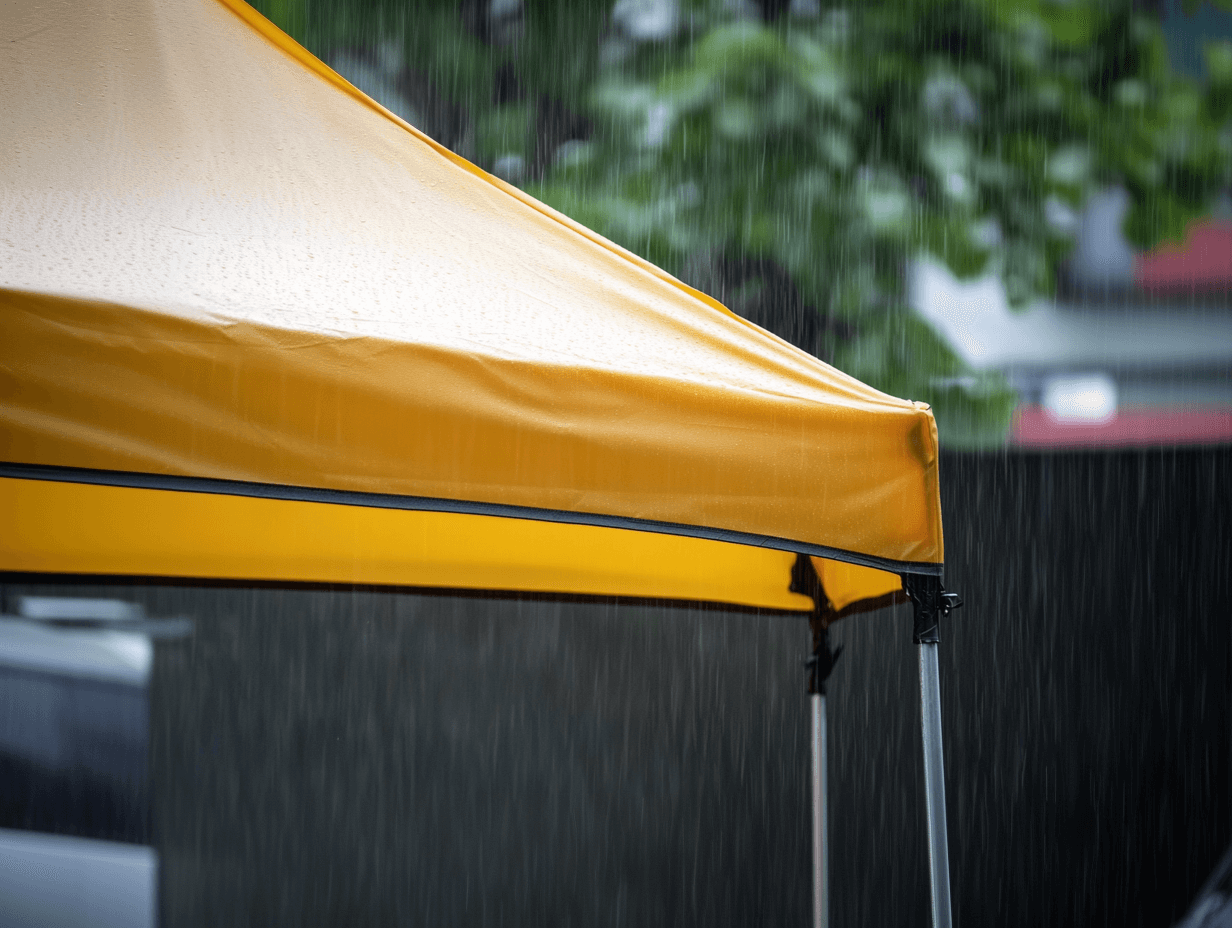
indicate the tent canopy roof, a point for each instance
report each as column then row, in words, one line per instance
column 223, row 262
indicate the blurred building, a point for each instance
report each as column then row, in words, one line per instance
column 1135, row 351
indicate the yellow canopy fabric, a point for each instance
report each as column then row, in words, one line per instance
column 80, row 528
column 220, row 261
column 850, row 588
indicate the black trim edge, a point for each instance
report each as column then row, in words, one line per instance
column 142, row 481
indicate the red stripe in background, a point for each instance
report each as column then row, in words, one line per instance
column 1035, row 427
column 1204, row 262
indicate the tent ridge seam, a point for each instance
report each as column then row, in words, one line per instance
column 220, row 487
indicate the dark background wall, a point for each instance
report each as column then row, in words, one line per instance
column 372, row 758
column 321, row 757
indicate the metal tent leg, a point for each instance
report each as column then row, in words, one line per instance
column 820, row 665
column 931, row 603
column 934, row 784
column 821, row 850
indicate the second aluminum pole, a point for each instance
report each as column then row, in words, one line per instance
column 821, row 845
column 820, row 664
column 931, row 603
column 934, row 783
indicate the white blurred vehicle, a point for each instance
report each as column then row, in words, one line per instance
column 74, row 781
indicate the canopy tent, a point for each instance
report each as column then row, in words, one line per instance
column 239, row 295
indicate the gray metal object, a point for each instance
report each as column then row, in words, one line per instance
column 1213, row 907
column 821, row 839
column 934, row 783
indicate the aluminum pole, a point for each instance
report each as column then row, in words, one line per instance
column 934, row 783
column 820, row 665
column 931, row 603
column 821, row 839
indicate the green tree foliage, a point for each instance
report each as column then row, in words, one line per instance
column 791, row 159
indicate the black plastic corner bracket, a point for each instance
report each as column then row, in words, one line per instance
column 821, row 663
column 931, row 603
